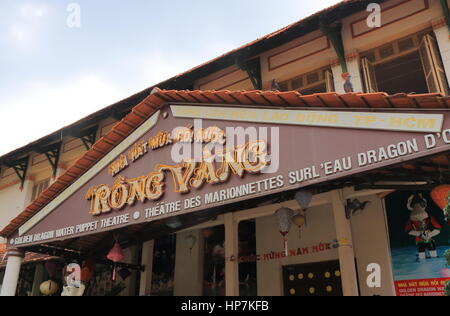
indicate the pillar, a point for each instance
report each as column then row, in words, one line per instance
column 189, row 265
column 145, row 286
column 231, row 256
column 131, row 257
column 346, row 251
column 15, row 258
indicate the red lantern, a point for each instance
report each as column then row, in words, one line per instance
column 206, row 233
column 87, row 271
column 115, row 255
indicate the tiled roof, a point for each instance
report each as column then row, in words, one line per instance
column 29, row 257
column 158, row 97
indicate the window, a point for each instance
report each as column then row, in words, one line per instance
column 39, row 188
column 409, row 65
column 319, row 81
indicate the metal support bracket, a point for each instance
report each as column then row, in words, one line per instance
column 52, row 153
column 253, row 68
column 20, row 168
column 334, row 34
column 87, row 136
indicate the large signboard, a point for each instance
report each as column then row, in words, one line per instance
column 185, row 160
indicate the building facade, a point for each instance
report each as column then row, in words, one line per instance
column 335, row 59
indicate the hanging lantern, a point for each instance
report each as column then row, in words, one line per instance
column 206, row 233
column 190, row 240
column 440, row 196
column 87, row 271
column 303, row 199
column 115, row 255
column 300, row 221
column 284, row 216
column 49, row 288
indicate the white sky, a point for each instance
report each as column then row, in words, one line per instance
column 52, row 75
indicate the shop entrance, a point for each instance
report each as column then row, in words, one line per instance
column 313, row 279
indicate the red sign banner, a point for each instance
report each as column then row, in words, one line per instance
column 424, row 287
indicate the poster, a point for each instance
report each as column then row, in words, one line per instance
column 419, row 235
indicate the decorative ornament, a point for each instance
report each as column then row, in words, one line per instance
column 115, row 255
column 355, row 207
column 441, row 196
column 284, row 216
column 190, row 240
column 124, row 273
column 49, row 288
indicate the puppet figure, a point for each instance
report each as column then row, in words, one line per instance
column 422, row 226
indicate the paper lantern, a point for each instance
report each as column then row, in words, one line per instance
column 284, row 217
column 303, row 199
column 49, row 288
column 87, row 272
column 299, row 220
column 115, row 255
column 190, row 240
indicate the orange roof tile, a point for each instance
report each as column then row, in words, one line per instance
column 158, row 97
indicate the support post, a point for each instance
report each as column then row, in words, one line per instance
column 346, row 250
column 231, row 256
column 145, row 286
column 15, row 258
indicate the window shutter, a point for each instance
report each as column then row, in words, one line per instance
column 329, row 81
column 432, row 65
column 369, row 75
